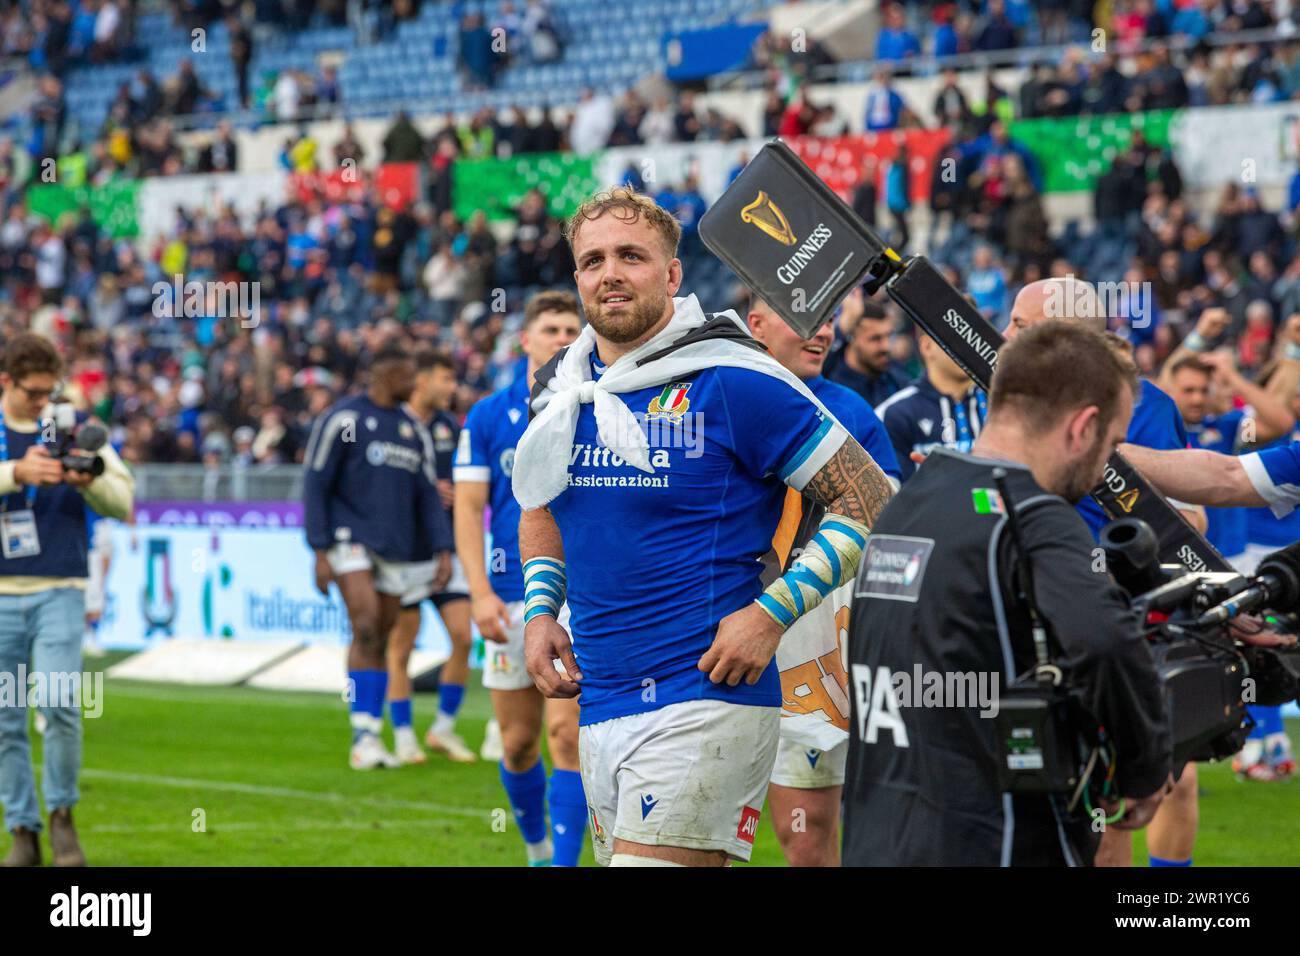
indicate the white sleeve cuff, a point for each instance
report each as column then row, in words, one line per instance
column 480, row 473
column 1282, row 499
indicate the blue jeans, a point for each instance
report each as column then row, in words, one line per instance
column 42, row 632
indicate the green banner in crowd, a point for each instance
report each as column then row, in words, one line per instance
column 112, row 205
column 496, row 186
column 1074, row 151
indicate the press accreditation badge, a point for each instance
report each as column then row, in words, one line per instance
column 18, row 534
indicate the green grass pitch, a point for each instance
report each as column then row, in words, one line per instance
column 184, row 776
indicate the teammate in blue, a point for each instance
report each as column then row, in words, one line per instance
column 808, row 779
column 484, row 461
column 1224, row 429
column 372, row 514
column 435, row 389
column 941, row 409
column 652, row 524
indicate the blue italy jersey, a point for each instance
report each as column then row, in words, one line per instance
column 486, row 453
column 369, row 480
column 656, row 561
column 920, row 418
column 1262, row 525
column 1275, row 473
column 1156, row 423
column 860, row 420
column 1227, row 528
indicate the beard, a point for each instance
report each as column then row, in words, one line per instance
column 629, row 324
column 1085, row 476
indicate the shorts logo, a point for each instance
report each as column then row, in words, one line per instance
column 596, row 829
column 813, row 756
column 748, row 828
column 648, row 803
column 672, row 402
column 500, row 662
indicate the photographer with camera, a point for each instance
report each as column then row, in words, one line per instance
column 43, row 572
column 948, row 596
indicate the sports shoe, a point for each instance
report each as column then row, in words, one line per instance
column 64, row 845
column 492, row 748
column 1259, row 771
column 369, row 752
column 407, row 748
column 26, row 850
column 448, row 742
column 1282, row 761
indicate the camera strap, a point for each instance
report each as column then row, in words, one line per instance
column 30, row 490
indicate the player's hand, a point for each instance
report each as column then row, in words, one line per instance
column 324, row 574
column 743, row 647
column 545, row 641
column 1213, row 322
column 1250, row 629
column 490, row 616
column 1138, row 811
column 38, row 468
column 447, row 492
column 851, row 310
column 443, row 574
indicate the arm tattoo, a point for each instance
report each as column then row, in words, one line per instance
column 851, row 484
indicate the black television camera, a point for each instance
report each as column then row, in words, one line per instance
column 1051, row 744
column 76, row 446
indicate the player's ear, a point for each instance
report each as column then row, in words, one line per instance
column 1082, row 431
column 674, row 276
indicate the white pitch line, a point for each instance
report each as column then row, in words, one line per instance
column 244, row 826
column 260, row 790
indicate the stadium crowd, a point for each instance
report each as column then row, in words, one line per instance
column 339, row 278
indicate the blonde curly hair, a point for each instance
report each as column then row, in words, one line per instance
column 629, row 206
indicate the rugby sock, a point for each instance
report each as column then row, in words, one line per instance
column 568, row 815
column 367, row 718
column 1156, row 861
column 449, row 698
column 399, row 712
column 527, row 794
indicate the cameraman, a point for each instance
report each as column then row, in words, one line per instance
column 938, row 592
column 43, row 572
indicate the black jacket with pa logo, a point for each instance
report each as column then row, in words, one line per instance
column 936, row 593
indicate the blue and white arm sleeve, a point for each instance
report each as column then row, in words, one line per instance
column 545, row 586
column 830, row 559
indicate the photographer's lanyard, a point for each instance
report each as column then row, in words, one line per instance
column 4, row 456
column 18, row 535
column 965, row 436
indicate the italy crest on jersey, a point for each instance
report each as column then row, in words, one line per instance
column 671, row 403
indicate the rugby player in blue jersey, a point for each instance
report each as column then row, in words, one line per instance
column 484, row 462
column 807, row 782
column 372, row 514
column 652, row 479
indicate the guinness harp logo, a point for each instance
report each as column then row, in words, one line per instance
column 767, row 216
column 1127, row 500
